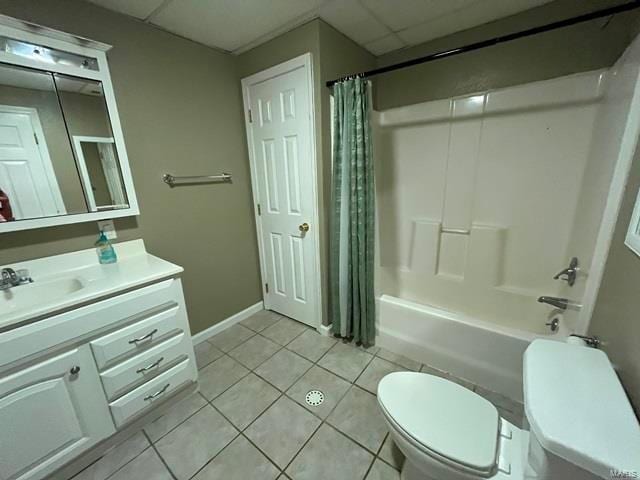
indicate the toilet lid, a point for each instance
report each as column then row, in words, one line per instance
column 443, row 416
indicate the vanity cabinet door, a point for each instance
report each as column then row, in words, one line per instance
column 50, row 412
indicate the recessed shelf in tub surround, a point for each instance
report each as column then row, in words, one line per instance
column 65, row 281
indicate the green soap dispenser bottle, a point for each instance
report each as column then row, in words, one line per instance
column 104, row 249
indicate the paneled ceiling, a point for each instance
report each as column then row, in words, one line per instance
column 380, row 26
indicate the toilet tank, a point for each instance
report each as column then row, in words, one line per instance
column 582, row 423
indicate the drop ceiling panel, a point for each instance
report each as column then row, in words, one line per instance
column 350, row 16
column 406, row 13
column 230, row 24
column 468, row 17
column 136, row 8
column 385, row 45
column 380, row 26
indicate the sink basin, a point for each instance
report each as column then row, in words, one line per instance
column 38, row 293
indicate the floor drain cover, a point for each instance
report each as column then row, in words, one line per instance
column 314, row 398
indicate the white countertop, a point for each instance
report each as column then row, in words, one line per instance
column 135, row 267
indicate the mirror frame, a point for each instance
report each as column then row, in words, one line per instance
column 632, row 239
column 55, row 39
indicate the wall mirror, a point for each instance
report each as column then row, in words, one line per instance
column 62, row 153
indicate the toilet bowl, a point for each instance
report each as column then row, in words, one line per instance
column 448, row 432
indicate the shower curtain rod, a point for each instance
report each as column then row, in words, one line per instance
column 625, row 7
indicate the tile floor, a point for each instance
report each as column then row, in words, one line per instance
column 250, row 419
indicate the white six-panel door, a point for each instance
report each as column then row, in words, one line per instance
column 280, row 135
column 26, row 172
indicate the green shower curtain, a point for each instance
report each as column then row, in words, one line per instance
column 352, row 303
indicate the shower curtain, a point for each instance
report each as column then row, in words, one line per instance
column 351, row 254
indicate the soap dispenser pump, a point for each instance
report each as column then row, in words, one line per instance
column 104, row 249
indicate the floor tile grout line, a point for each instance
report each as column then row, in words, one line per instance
column 302, row 356
column 260, row 450
column 387, row 462
column 382, row 444
column 346, row 435
column 305, row 329
column 386, row 437
column 325, row 419
column 259, row 415
column 216, row 455
column 365, row 367
column 166, row 465
column 240, row 433
column 328, row 350
column 276, row 387
column 304, row 444
column 241, row 378
column 338, row 375
column 280, row 347
column 322, row 420
column 226, row 389
column 152, row 444
column 352, row 440
column 285, row 393
column 373, row 460
column 121, row 466
column 176, row 426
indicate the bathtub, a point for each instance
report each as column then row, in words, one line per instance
column 483, row 353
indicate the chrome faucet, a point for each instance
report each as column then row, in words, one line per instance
column 561, row 303
column 8, row 279
column 570, row 273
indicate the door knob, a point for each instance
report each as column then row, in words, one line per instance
column 74, row 370
column 304, row 227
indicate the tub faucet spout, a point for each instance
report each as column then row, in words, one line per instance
column 561, row 303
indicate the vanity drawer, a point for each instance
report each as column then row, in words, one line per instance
column 130, row 373
column 88, row 321
column 135, row 338
column 156, row 390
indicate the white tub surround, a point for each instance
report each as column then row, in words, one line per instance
column 476, row 197
column 102, row 346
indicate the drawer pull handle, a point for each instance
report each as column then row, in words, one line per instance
column 149, row 367
column 158, row 393
column 144, row 337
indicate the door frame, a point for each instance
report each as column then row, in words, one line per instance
column 43, row 150
column 304, row 61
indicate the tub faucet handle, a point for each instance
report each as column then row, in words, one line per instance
column 570, row 273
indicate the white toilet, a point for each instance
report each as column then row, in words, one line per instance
column 582, row 424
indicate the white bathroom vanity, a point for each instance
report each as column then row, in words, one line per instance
column 86, row 351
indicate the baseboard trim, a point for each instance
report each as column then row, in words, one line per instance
column 226, row 323
column 325, row 330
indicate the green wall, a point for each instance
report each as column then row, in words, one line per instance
column 616, row 315
column 181, row 112
column 588, row 46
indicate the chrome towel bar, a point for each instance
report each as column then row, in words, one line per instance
column 172, row 181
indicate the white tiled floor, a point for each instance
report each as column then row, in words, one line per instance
column 250, row 419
